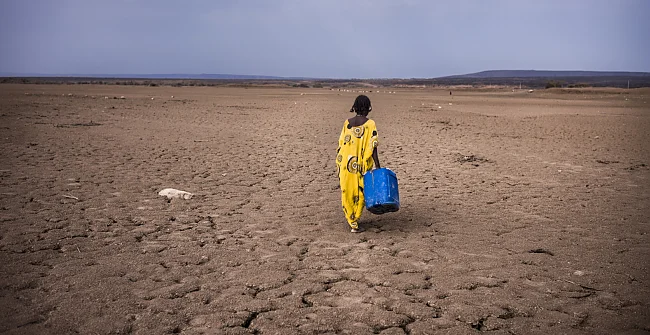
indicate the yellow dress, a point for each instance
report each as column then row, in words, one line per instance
column 353, row 160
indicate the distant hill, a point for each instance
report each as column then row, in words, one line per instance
column 547, row 74
column 541, row 79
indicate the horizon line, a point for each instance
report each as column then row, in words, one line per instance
column 270, row 77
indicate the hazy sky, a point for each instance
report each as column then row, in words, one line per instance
column 322, row 38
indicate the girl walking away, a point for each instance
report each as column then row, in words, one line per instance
column 356, row 155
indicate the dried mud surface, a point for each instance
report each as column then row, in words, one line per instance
column 521, row 213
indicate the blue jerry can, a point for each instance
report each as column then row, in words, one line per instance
column 380, row 191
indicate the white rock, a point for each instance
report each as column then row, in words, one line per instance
column 174, row 193
column 579, row 273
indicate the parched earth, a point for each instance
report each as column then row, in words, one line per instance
column 522, row 213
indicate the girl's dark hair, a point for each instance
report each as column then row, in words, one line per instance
column 361, row 105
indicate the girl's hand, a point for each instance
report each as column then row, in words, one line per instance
column 375, row 157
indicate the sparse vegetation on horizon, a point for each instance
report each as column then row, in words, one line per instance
column 470, row 82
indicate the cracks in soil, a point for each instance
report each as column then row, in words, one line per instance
column 403, row 324
column 253, row 290
column 581, row 320
column 582, row 295
column 303, row 253
column 305, row 302
column 581, row 286
column 479, row 324
column 213, row 225
column 68, row 125
column 541, row 251
column 509, row 313
column 437, row 311
column 252, row 315
column 37, row 320
column 512, row 312
column 249, row 319
column 475, row 285
column 471, row 159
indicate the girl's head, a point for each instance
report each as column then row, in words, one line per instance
column 361, row 105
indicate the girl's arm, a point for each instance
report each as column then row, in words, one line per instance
column 375, row 157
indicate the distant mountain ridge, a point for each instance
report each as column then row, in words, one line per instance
column 548, row 74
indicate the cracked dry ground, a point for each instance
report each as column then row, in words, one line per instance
column 521, row 213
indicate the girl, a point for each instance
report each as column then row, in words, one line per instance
column 357, row 154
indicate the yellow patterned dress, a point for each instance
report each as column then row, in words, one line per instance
column 354, row 158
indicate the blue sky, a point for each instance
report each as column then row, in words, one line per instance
column 322, row 38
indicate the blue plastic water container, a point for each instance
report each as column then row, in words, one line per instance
column 380, row 191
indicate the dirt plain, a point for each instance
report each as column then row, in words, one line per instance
column 522, row 213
